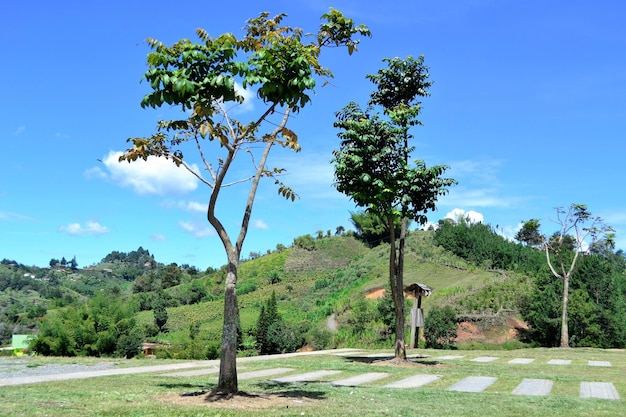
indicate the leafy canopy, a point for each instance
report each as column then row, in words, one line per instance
column 207, row 78
column 371, row 169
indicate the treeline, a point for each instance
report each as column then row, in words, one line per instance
column 597, row 306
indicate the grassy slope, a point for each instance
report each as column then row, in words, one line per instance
column 316, row 283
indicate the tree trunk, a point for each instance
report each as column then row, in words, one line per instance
column 397, row 292
column 564, row 326
column 400, row 351
column 228, row 360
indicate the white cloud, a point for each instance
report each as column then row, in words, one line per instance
column 154, row 176
column 260, row 224
column 192, row 206
column 157, row 237
column 91, row 228
column 95, row 172
column 470, row 216
column 196, row 230
column 19, row 130
column 189, row 206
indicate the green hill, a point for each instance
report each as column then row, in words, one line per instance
column 324, row 289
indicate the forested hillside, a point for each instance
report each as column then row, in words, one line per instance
column 314, row 293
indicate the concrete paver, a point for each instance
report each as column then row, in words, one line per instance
column 522, row 361
column 602, row 390
column 485, row 359
column 449, row 357
column 599, row 363
column 559, row 362
column 414, row 381
column 530, row 386
column 263, row 373
column 361, row 379
column 307, row 376
column 473, row 384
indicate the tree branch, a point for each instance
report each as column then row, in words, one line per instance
column 257, row 177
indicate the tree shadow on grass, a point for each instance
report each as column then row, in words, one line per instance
column 190, row 390
column 292, row 390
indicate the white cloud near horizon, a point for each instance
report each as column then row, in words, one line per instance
column 90, row 228
column 470, row 216
column 457, row 214
column 157, row 176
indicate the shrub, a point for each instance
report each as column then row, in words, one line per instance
column 440, row 328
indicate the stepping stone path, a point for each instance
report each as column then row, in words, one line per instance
column 473, row 384
column 307, row 376
column 602, row 390
column 414, row 381
column 530, row 386
column 360, row 379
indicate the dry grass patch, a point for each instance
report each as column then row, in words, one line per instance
column 240, row 401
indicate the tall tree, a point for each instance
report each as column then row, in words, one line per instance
column 371, row 168
column 577, row 229
column 281, row 64
column 398, row 89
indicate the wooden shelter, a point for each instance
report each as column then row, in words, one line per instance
column 418, row 291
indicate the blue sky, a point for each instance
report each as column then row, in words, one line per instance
column 528, row 108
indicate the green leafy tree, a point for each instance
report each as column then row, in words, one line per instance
column 171, row 276
column 282, row 64
column 372, row 165
column 577, row 228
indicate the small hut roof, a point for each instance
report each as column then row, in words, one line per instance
column 418, row 289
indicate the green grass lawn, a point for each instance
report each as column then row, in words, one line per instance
column 156, row 395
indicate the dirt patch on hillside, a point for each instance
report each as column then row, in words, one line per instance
column 375, row 293
column 240, row 401
column 509, row 330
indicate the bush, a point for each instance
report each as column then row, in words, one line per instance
column 319, row 338
column 213, row 350
column 440, row 328
column 284, row 337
